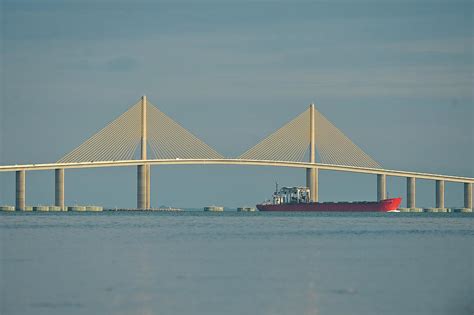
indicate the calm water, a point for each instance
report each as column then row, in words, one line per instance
column 236, row 263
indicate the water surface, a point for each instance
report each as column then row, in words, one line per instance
column 236, row 263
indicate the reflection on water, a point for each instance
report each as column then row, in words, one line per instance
column 236, row 263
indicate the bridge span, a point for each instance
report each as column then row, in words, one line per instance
column 291, row 164
column 309, row 134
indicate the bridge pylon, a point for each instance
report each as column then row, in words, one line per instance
column 312, row 173
column 143, row 171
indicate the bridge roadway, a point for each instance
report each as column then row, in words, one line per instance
column 305, row 165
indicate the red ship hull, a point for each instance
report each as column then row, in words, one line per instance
column 363, row 206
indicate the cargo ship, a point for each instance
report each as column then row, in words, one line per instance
column 297, row 199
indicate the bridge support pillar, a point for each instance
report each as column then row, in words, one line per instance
column 312, row 183
column 148, row 179
column 59, row 188
column 20, row 190
column 440, row 194
column 141, row 187
column 381, row 187
column 411, row 192
column 468, row 195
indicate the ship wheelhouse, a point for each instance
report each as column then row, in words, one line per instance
column 291, row 195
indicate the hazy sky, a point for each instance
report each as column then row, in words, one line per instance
column 396, row 76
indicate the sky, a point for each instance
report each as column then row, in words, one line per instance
column 395, row 76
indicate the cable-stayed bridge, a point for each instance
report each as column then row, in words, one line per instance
column 144, row 136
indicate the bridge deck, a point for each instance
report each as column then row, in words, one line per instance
column 343, row 168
